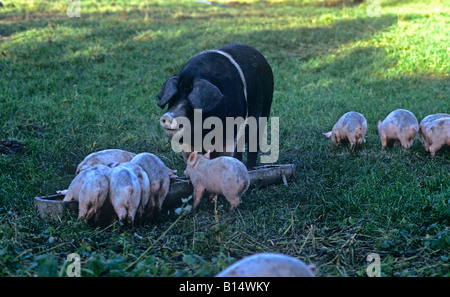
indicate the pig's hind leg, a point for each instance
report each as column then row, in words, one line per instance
column 163, row 191
column 404, row 143
column 233, row 198
column 153, row 201
column 352, row 140
column 360, row 137
column 121, row 212
column 122, row 205
column 234, row 201
column 82, row 209
column 435, row 147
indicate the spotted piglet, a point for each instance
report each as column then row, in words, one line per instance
column 400, row 125
column 124, row 193
column 426, row 121
column 437, row 134
column 159, row 176
column 145, row 188
column 104, row 157
column 352, row 126
column 223, row 175
column 90, row 189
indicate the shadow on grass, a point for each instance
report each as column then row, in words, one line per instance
column 107, row 40
column 299, row 42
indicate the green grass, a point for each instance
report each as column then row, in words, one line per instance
column 90, row 83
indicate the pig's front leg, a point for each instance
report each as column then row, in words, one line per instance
column 198, row 193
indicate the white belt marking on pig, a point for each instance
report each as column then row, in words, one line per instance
column 241, row 74
column 244, row 83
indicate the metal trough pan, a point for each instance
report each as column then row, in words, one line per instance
column 52, row 207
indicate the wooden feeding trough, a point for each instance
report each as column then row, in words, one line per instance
column 52, row 207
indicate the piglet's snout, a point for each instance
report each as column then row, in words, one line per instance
column 168, row 122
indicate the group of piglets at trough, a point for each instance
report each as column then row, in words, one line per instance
column 400, row 125
column 116, row 184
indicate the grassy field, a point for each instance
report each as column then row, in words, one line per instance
column 71, row 86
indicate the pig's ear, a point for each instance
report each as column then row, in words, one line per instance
column 168, row 91
column 193, row 157
column 205, row 95
column 208, row 155
column 171, row 172
column 327, row 134
column 113, row 164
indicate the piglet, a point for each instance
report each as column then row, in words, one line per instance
column 436, row 134
column 352, row 126
column 124, row 193
column 426, row 122
column 104, row 157
column 223, row 175
column 145, row 187
column 159, row 176
column 90, row 188
column 269, row 265
column 399, row 125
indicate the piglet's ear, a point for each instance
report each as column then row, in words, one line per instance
column 205, row 96
column 113, row 164
column 328, row 134
column 207, row 155
column 172, row 174
column 168, row 91
column 193, row 157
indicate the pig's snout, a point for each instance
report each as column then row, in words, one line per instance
column 168, row 122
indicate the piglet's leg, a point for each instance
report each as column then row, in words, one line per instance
column 434, row 148
column 198, row 193
column 352, row 140
column 82, row 210
column 234, row 202
column 384, row 140
column 404, row 144
column 212, row 198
